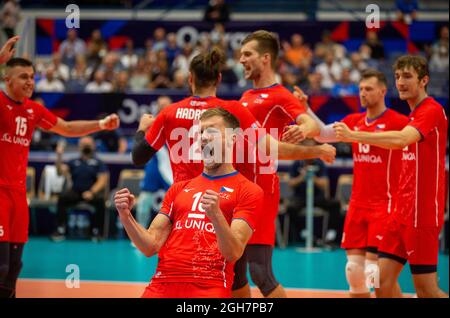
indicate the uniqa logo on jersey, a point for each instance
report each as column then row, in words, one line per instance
column 195, row 224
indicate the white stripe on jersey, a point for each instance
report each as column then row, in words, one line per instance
column 437, row 175
column 388, row 176
column 269, row 113
column 417, row 183
column 157, row 137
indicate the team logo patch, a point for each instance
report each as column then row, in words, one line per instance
column 264, row 95
column 381, row 126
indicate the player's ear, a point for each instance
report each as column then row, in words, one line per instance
column 425, row 80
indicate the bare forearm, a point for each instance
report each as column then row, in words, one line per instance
column 388, row 139
column 143, row 239
column 295, row 152
column 229, row 246
column 78, row 128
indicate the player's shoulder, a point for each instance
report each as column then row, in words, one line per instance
column 393, row 114
column 248, row 186
column 180, row 185
column 430, row 108
column 354, row 117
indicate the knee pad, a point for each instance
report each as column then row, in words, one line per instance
column 372, row 273
column 262, row 275
column 354, row 271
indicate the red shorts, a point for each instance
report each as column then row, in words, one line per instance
column 185, row 290
column 363, row 227
column 419, row 246
column 14, row 216
column 265, row 224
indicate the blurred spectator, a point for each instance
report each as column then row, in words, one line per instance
column 439, row 60
column 321, row 199
column 345, row 86
column 326, row 45
column 217, row 11
column 314, row 86
column 183, row 60
column 99, row 85
column 172, row 49
column 50, row 83
column 9, row 17
column 357, row 67
column 159, row 39
column 217, row 36
column 62, row 71
column 160, row 75
column 179, row 80
column 365, row 52
column 407, row 10
column 89, row 177
column 120, row 83
column 376, row 46
column 96, row 48
column 442, row 41
column 289, row 80
column 79, row 75
column 330, row 71
column 237, row 68
column 139, row 78
column 129, row 58
column 297, row 53
column 71, row 47
column 111, row 66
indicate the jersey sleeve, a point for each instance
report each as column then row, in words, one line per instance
column 249, row 204
column 426, row 118
column 169, row 198
column 156, row 135
column 292, row 106
column 350, row 120
column 47, row 119
column 245, row 117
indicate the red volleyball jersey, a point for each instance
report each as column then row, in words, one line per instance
column 376, row 170
column 422, row 187
column 191, row 253
column 17, row 124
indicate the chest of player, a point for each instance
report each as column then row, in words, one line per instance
column 189, row 214
column 368, row 154
column 17, row 124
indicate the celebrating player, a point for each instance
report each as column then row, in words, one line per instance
column 275, row 108
column 204, row 223
column 372, row 202
column 19, row 116
column 412, row 234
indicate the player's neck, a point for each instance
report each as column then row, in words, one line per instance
column 265, row 79
column 374, row 112
column 221, row 170
column 205, row 92
column 11, row 96
column 414, row 102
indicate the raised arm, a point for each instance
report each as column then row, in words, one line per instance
column 387, row 139
column 150, row 241
column 231, row 239
column 78, row 128
column 8, row 50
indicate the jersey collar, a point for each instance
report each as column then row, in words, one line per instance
column 219, row 177
column 12, row 100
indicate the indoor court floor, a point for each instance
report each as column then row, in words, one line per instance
column 115, row 268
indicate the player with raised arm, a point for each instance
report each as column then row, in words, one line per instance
column 19, row 116
column 204, row 223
